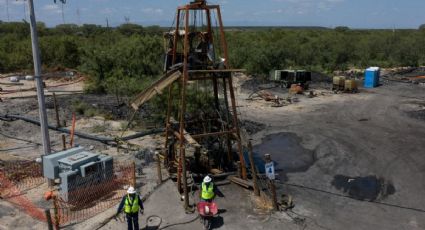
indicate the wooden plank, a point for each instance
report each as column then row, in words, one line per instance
column 216, row 171
column 155, row 88
column 241, row 182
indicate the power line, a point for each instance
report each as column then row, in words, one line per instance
column 350, row 197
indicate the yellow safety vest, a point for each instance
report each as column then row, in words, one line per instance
column 130, row 207
column 207, row 193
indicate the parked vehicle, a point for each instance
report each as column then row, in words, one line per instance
column 289, row 77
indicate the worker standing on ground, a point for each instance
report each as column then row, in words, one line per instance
column 132, row 205
column 209, row 190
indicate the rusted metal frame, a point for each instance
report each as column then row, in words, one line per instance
column 183, row 108
column 236, row 126
column 232, row 96
column 176, row 36
column 226, row 104
column 197, row 136
column 215, row 86
column 223, row 38
column 210, row 32
column 253, row 170
column 198, row 7
column 175, row 41
column 167, row 121
column 187, row 138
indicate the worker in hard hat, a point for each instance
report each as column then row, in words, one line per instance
column 132, row 205
column 209, row 190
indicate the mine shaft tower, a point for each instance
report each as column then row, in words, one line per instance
column 199, row 50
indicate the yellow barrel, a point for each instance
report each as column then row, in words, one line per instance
column 338, row 83
column 350, row 85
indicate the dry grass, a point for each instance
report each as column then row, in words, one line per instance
column 262, row 204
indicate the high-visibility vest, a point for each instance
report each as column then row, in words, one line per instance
column 207, row 192
column 131, row 206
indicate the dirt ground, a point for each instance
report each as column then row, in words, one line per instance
column 368, row 146
column 351, row 161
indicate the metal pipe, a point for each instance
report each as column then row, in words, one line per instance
column 183, row 109
column 105, row 140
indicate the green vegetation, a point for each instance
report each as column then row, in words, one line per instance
column 124, row 60
column 325, row 50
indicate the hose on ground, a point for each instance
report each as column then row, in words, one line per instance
column 171, row 225
column 105, row 140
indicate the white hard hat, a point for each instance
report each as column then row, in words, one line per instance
column 131, row 190
column 207, row 179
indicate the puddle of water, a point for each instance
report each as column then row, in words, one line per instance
column 286, row 151
column 367, row 188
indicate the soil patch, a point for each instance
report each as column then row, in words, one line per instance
column 368, row 188
column 286, row 151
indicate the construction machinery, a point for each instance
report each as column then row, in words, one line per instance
column 286, row 78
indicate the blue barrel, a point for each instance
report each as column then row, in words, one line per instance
column 371, row 78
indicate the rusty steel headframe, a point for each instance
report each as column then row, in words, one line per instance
column 179, row 51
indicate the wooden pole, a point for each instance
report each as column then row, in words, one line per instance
column 72, row 130
column 253, row 170
column 239, row 170
column 56, row 211
column 158, row 164
column 63, row 142
column 272, row 185
column 49, row 219
column 55, row 103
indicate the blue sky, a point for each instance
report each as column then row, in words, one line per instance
column 329, row 13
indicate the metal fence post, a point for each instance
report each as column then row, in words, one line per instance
column 49, row 219
column 56, row 211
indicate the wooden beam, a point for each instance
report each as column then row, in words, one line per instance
column 155, row 88
column 241, row 182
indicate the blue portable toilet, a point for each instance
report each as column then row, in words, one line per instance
column 371, row 78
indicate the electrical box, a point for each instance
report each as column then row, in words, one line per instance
column 77, row 169
column 51, row 164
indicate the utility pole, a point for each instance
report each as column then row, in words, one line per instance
column 39, row 82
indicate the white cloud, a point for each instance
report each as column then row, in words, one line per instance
column 51, row 8
column 107, row 10
column 18, row 2
column 310, row 5
column 153, row 11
